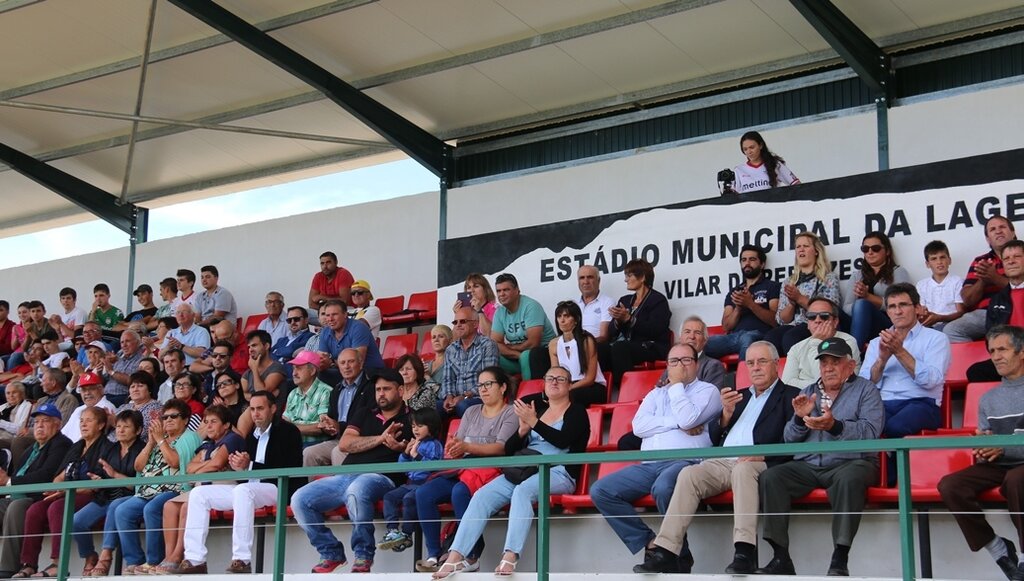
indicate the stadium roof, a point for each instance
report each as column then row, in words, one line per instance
column 153, row 106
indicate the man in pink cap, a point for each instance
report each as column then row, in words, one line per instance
column 309, row 399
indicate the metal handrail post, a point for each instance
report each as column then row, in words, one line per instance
column 906, row 523
column 543, row 522
column 63, row 564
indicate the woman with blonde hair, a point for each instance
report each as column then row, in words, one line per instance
column 440, row 338
column 812, row 277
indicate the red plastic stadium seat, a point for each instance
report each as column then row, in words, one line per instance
column 397, row 345
column 427, row 348
column 927, row 467
column 390, row 305
column 716, row 330
column 621, row 424
column 252, row 322
column 971, row 400
column 636, row 384
column 424, row 305
column 962, row 356
column 596, row 417
column 530, row 387
column 577, row 501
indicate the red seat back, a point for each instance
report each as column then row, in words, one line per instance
column 962, row 356
column 390, row 305
column 636, row 384
column 596, row 417
column 252, row 323
column 530, row 387
column 621, row 422
column 971, row 400
column 426, row 347
column 716, row 330
column 397, row 345
column 927, row 467
column 425, row 301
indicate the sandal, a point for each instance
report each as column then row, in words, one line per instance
column 26, row 572
column 90, row 564
column 453, row 568
column 50, row 571
column 500, row 571
column 101, row 568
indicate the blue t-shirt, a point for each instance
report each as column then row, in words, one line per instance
column 514, row 325
column 356, row 335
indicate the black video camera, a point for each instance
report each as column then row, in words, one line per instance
column 726, row 178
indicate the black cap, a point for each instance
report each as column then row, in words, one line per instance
column 834, row 347
column 387, row 374
column 143, row 288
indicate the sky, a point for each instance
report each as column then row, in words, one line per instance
column 378, row 182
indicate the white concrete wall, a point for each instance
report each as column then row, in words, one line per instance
column 392, row 244
column 922, row 131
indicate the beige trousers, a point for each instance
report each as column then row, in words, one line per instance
column 323, row 454
column 707, row 479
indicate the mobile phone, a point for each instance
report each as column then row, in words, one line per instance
column 466, row 300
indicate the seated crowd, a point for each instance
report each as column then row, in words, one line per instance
column 176, row 389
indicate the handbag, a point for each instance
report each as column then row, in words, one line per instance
column 519, row 474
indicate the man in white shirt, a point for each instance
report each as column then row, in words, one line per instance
column 670, row 417
column 363, row 310
column 274, row 324
column 90, row 387
column 593, row 303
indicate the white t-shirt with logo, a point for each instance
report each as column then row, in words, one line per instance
column 753, row 178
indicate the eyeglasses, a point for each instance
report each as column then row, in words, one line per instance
column 462, row 322
column 871, row 248
column 673, row 361
column 758, row 362
column 357, row 293
column 225, row 382
column 485, row 385
column 183, row 385
column 216, row 355
column 812, row 316
column 899, row 306
column 170, row 417
column 293, row 319
column 556, row 379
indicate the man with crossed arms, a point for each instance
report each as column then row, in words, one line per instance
column 756, row 415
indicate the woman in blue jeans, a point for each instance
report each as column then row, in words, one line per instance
column 483, row 431
column 557, row 427
column 864, row 301
column 167, row 452
column 117, row 461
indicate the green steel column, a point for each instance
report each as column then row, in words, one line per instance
column 65, row 535
column 279, row 527
column 543, row 522
column 906, row 523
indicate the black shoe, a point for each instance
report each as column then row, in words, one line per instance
column 777, row 566
column 838, row 569
column 685, row 562
column 1009, row 563
column 658, row 560
column 741, row 565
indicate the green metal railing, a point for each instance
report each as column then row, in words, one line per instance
column 902, row 447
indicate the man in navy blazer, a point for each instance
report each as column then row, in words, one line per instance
column 756, row 415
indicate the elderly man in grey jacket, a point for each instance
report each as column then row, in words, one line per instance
column 839, row 406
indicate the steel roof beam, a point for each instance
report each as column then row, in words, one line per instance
column 428, row 150
column 871, row 64
column 175, row 51
column 128, row 218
